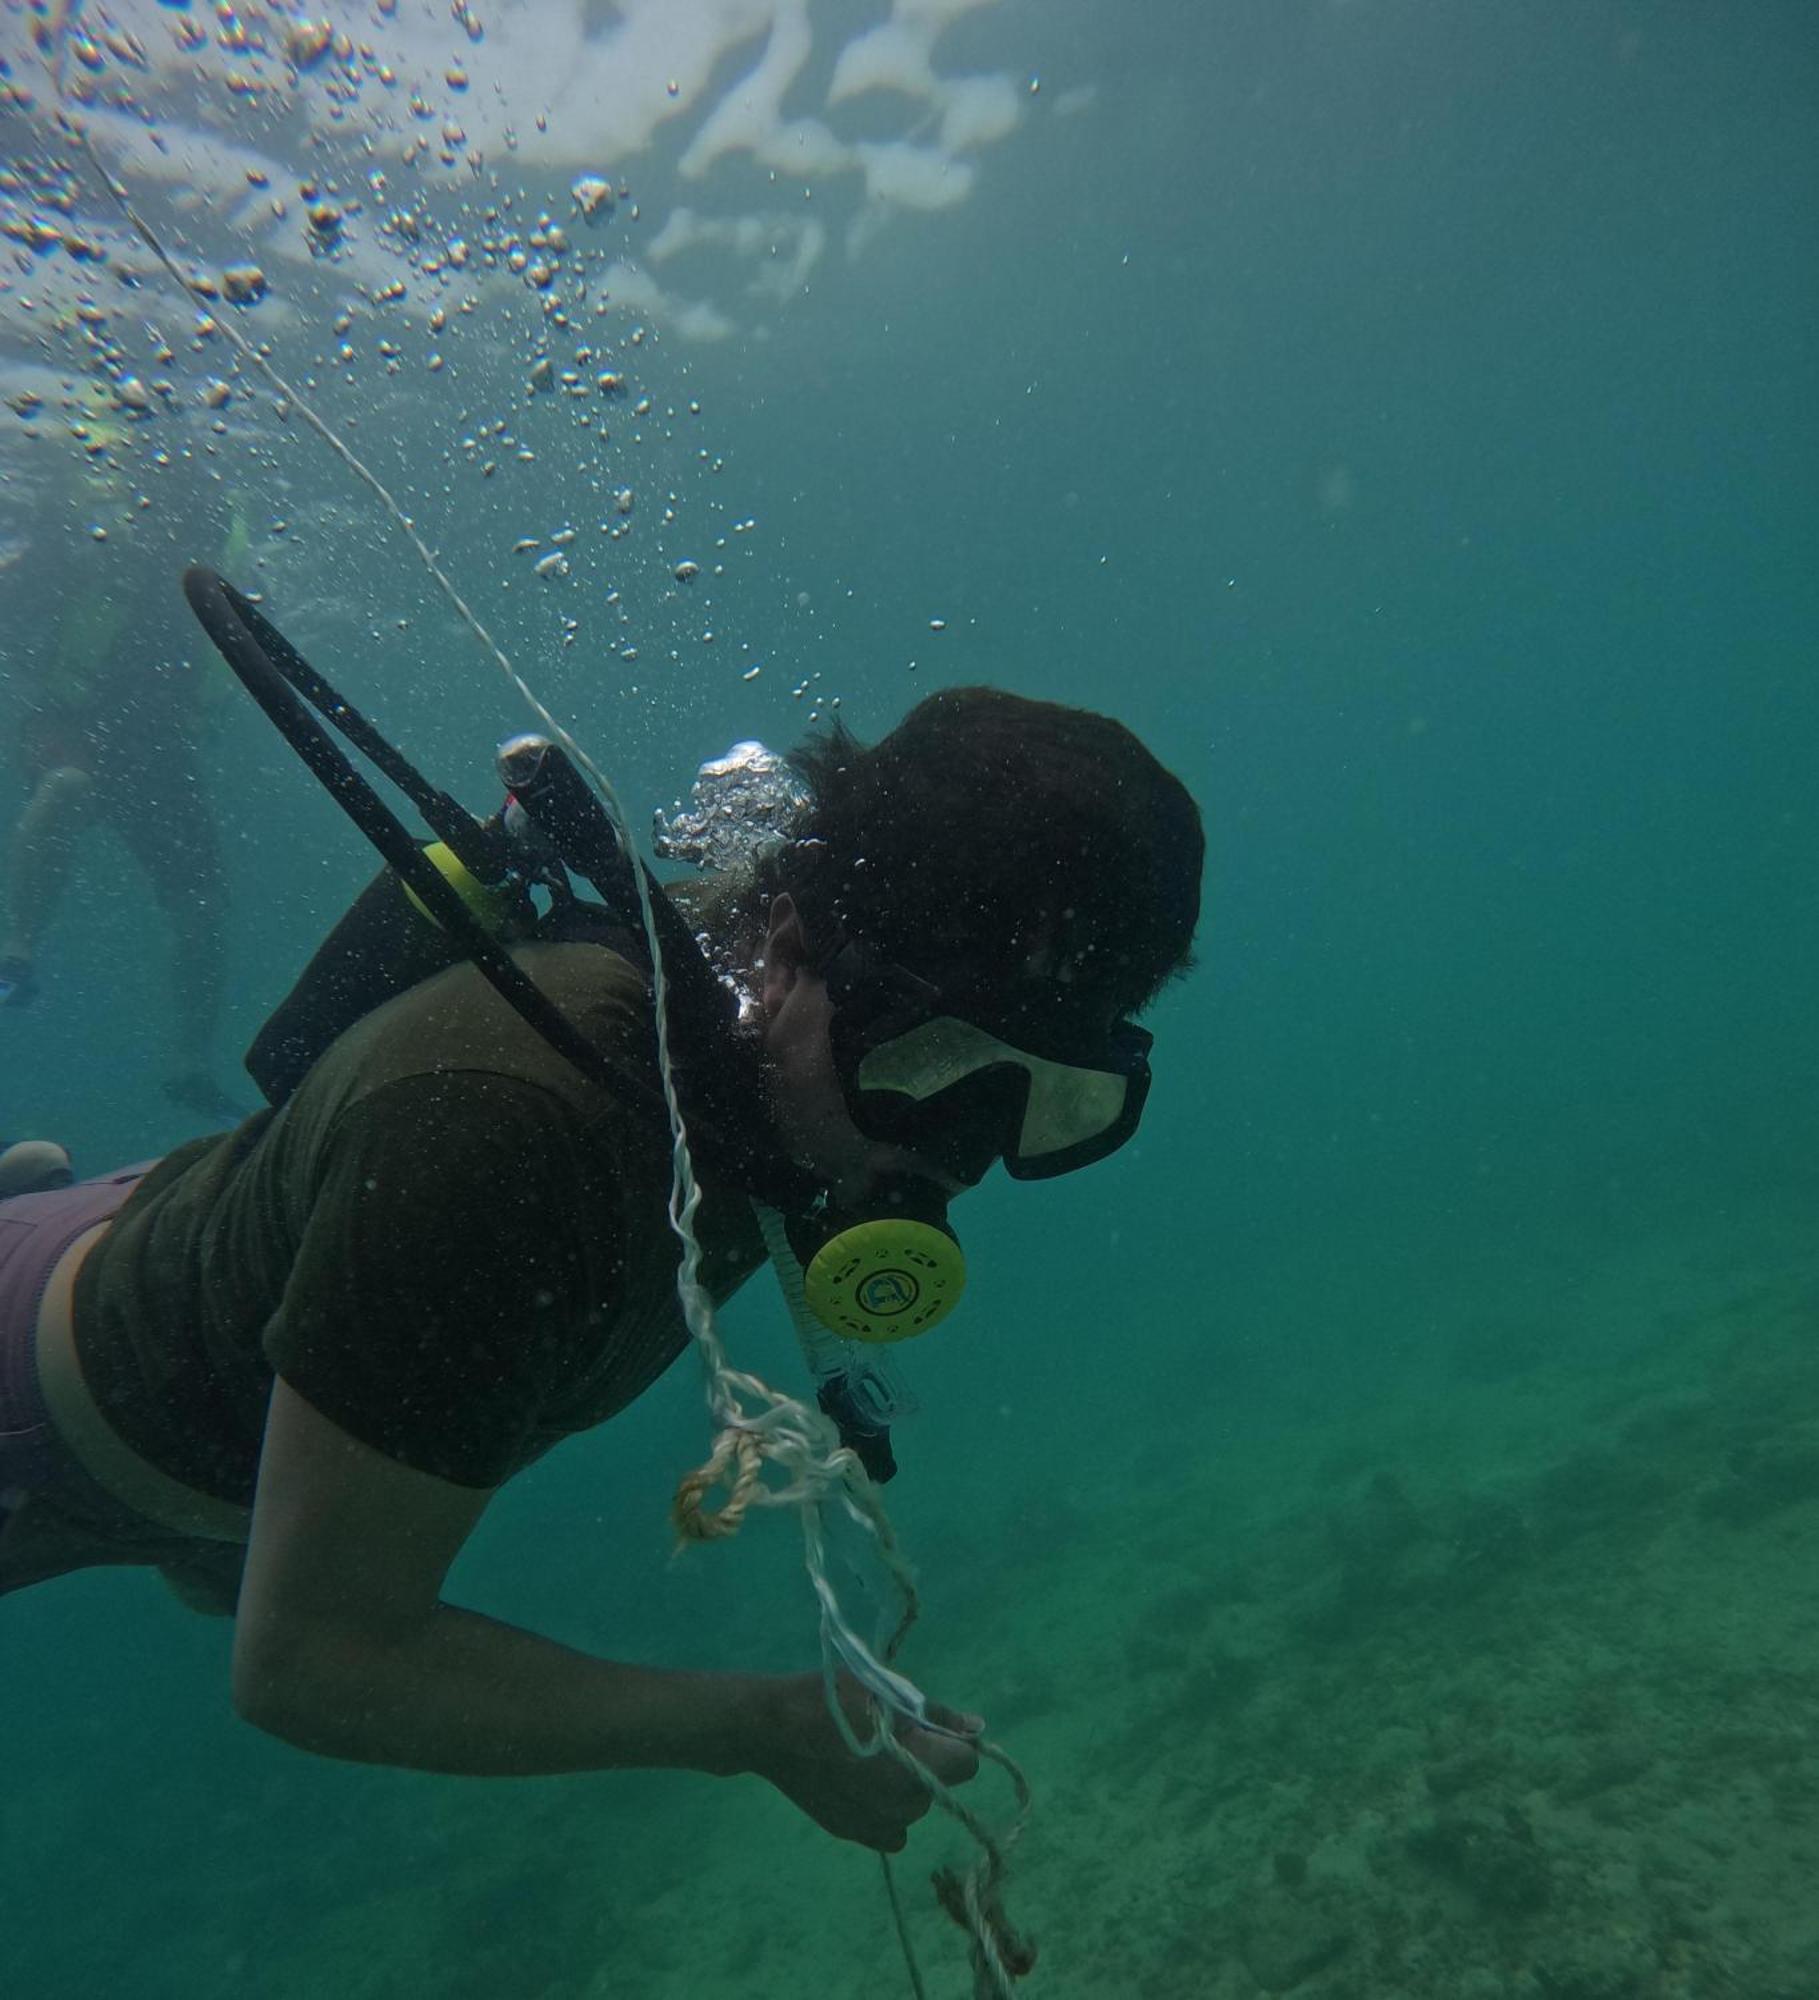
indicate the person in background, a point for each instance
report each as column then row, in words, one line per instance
column 106, row 701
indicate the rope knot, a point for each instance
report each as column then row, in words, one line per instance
column 739, row 1450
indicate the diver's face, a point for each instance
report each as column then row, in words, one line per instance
column 812, row 1119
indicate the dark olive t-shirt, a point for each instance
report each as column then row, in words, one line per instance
column 448, row 1242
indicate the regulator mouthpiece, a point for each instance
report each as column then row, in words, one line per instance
column 884, row 1278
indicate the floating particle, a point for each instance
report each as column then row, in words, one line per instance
column 216, row 393
column 132, row 395
column 562, row 537
column 543, row 377
column 686, row 572
column 325, row 219
column 624, row 500
column 610, row 384
column 751, row 673
column 27, row 403
column 524, row 546
column 456, row 79
column 307, row 42
column 125, row 48
column 243, row 284
column 937, row 624
column 673, row 87
column 553, row 564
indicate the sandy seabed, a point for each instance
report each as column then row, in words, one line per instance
column 1502, row 1685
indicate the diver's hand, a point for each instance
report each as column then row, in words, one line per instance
column 871, row 1800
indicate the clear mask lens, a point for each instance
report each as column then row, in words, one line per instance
column 1058, row 1108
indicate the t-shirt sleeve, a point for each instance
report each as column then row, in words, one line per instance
column 454, row 1269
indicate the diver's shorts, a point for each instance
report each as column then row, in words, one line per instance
column 35, row 1466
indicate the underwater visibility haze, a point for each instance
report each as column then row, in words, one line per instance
column 1379, row 1507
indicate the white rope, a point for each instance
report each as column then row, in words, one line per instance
column 819, row 1472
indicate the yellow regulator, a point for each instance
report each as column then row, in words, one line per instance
column 885, row 1280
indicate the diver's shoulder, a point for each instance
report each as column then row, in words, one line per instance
column 605, row 994
column 454, row 1025
column 592, row 973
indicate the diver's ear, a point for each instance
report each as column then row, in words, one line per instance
column 785, row 953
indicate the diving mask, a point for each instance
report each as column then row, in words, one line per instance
column 1031, row 1078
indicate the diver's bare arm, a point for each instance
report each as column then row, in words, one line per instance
column 343, row 1646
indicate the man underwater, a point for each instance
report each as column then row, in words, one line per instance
column 289, row 1365
column 106, row 719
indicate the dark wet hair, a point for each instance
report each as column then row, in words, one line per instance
column 989, row 835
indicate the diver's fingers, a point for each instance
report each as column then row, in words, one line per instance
column 947, row 1749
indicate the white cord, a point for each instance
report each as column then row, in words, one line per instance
column 818, row 1471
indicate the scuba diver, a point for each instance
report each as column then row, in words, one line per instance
column 289, row 1365
column 107, row 710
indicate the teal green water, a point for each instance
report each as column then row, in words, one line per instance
column 1407, row 1452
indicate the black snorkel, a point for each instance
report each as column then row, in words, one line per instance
column 286, row 687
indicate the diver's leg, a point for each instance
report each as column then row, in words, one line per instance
column 198, row 967
column 170, row 832
column 38, row 864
